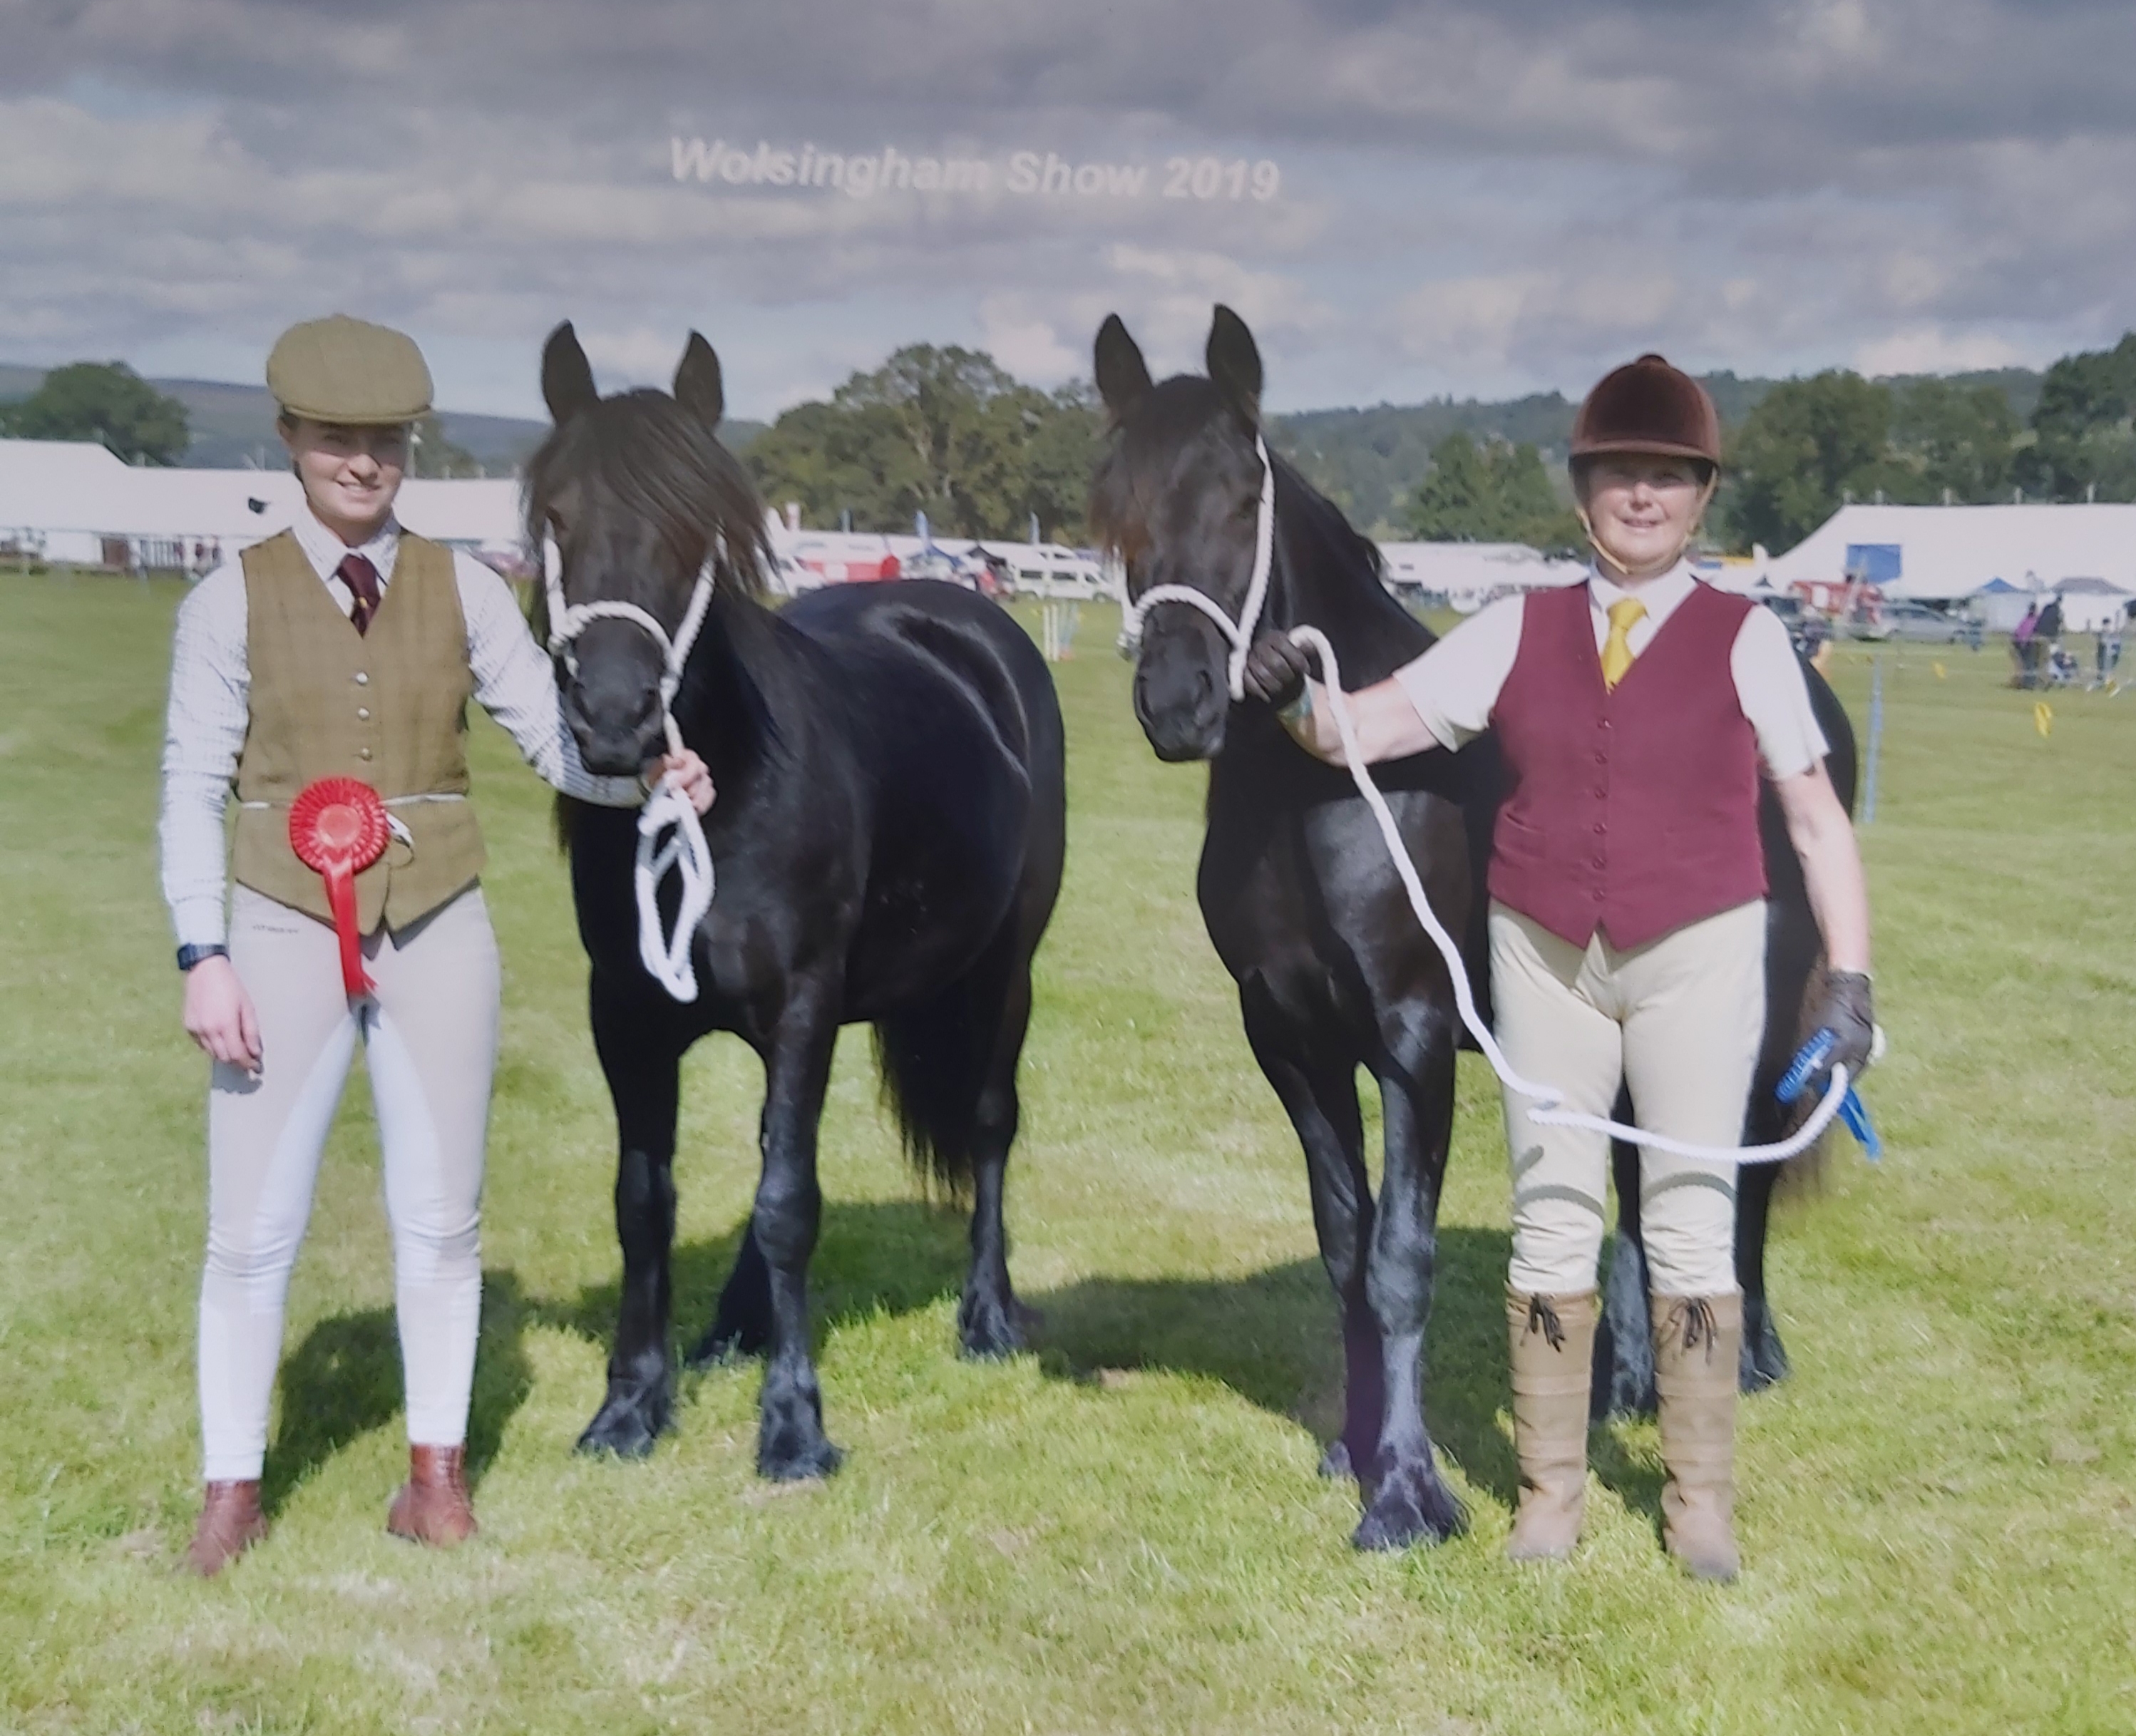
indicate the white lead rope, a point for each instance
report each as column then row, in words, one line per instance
column 666, row 957
column 1547, row 1098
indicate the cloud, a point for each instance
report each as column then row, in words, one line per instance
column 1473, row 197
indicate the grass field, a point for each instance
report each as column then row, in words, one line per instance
column 1123, row 1531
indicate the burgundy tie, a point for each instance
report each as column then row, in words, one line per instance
column 362, row 579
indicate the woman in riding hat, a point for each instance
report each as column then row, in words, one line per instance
column 346, row 646
column 1635, row 712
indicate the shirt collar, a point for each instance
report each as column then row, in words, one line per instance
column 1660, row 595
column 326, row 550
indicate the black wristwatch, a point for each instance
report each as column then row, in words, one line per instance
column 190, row 955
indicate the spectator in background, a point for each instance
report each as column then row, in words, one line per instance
column 2022, row 646
column 2108, row 649
column 2050, row 629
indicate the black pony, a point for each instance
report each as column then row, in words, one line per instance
column 1334, row 972
column 888, row 837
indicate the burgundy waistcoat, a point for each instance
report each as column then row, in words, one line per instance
column 1636, row 810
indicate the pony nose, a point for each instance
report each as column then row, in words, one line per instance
column 617, row 731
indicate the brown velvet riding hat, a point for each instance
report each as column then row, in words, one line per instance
column 1648, row 406
column 342, row 369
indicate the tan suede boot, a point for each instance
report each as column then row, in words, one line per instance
column 1697, row 1341
column 433, row 1506
column 231, row 1523
column 1552, row 1339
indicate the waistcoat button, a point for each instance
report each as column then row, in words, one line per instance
column 365, row 753
column 362, row 679
column 363, row 716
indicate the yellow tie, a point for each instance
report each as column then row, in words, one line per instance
column 1617, row 648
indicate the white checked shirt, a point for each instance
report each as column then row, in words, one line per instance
column 210, row 709
column 1455, row 684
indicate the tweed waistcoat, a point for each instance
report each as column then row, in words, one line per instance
column 1635, row 809
column 388, row 708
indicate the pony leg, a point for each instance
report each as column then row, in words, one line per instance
column 1320, row 1096
column 643, row 1081
column 1764, row 1358
column 741, row 1324
column 790, row 1443
column 990, row 1321
column 1406, row 1499
column 1623, row 1338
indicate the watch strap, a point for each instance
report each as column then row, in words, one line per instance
column 190, row 955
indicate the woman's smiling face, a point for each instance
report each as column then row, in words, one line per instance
column 1642, row 509
column 350, row 473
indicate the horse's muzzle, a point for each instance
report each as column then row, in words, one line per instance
column 1181, row 706
column 617, row 735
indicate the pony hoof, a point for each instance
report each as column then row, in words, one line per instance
column 723, row 1344
column 989, row 1331
column 1409, row 1506
column 798, row 1464
column 1335, row 1465
column 626, row 1426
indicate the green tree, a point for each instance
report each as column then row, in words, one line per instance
column 945, row 431
column 1492, row 492
column 2084, row 447
column 1808, row 445
column 1957, row 440
column 106, row 401
column 430, row 453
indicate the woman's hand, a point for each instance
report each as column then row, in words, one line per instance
column 219, row 1015
column 688, row 773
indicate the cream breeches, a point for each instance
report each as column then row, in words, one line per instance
column 430, row 1045
column 1679, row 1020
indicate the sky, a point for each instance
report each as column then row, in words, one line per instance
column 1479, row 198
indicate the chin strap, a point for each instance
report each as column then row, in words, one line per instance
column 666, row 956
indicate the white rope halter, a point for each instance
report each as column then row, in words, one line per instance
column 1547, row 1098
column 1240, row 633
column 666, row 957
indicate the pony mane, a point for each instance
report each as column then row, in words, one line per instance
column 653, row 460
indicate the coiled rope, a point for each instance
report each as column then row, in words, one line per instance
column 666, row 956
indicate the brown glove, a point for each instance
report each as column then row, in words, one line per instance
column 1278, row 668
column 1846, row 1011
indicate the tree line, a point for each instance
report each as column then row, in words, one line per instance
column 948, row 432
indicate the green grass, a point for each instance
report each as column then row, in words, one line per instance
column 1123, row 1531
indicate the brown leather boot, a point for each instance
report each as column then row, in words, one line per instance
column 231, row 1523
column 433, row 1505
column 1553, row 1356
column 1697, row 1340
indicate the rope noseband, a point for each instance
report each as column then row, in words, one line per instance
column 666, row 957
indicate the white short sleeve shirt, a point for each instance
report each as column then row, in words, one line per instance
column 1455, row 684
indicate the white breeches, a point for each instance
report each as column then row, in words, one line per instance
column 430, row 1047
column 1679, row 1020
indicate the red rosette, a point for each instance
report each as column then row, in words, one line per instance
column 337, row 828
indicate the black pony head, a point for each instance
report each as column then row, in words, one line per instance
column 638, row 494
column 1177, row 497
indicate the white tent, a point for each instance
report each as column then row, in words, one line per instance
column 1470, row 574
column 1940, row 553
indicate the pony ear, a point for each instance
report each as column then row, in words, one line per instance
column 1234, row 363
column 697, row 387
column 567, row 377
column 1122, row 375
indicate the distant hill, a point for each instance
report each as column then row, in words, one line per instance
column 1368, row 461
column 233, row 426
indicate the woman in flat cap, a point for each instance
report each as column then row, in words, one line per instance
column 346, row 646
column 1636, row 714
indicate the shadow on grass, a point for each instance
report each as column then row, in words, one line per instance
column 1270, row 1337
column 344, row 1380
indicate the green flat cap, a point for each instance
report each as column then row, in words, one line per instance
column 343, row 370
